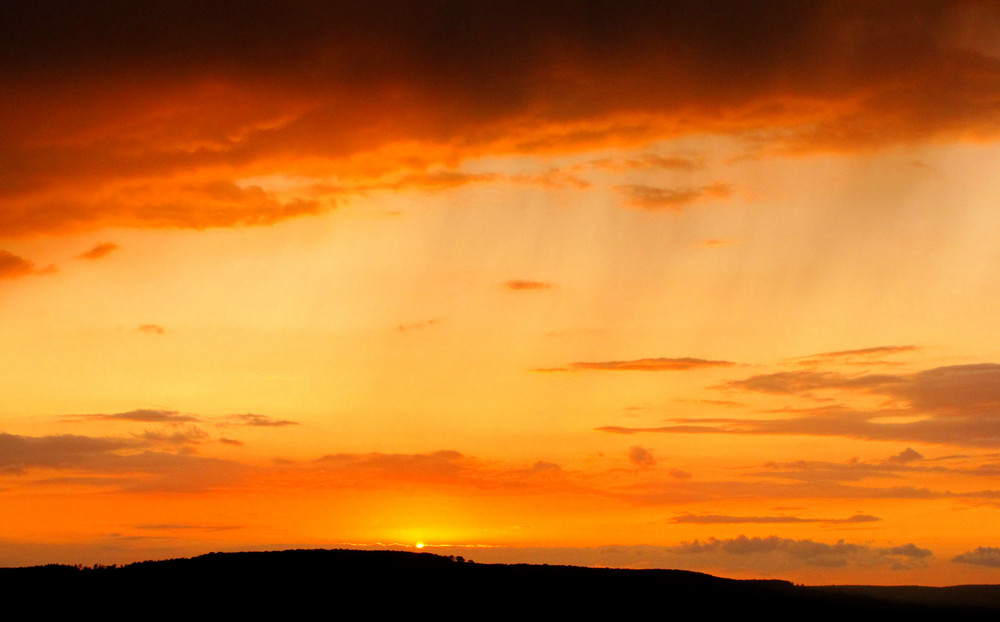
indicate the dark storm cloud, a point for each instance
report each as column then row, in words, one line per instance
column 137, row 113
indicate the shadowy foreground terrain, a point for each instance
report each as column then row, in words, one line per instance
column 334, row 583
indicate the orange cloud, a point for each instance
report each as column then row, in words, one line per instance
column 657, row 364
column 648, row 197
column 527, row 285
column 99, row 250
column 13, row 266
column 954, row 405
column 153, row 329
column 371, row 91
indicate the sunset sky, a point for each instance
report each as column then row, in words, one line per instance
column 699, row 285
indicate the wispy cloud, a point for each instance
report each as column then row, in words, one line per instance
column 152, row 329
column 651, row 198
column 710, row 519
column 102, row 249
column 519, row 284
column 146, row 415
column 13, row 266
column 652, row 364
column 260, row 421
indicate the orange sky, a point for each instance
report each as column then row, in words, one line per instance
column 700, row 285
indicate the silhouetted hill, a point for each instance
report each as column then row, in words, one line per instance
column 336, row 583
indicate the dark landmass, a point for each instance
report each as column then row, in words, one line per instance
column 350, row 583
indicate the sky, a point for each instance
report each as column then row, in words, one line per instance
column 698, row 285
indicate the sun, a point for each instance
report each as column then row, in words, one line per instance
column 420, row 545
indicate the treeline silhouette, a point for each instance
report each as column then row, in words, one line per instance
column 334, row 583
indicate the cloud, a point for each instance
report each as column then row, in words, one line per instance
column 640, row 456
column 717, row 242
column 981, row 556
column 13, row 266
column 262, row 421
column 713, row 519
column 166, row 118
column 99, row 250
column 416, row 325
column 59, row 451
column 788, row 552
column 147, row 415
column 861, row 356
column 649, row 160
column 655, row 364
column 188, row 435
column 802, row 382
column 649, row 197
column 527, row 285
column 153, row 329
column 906, row 456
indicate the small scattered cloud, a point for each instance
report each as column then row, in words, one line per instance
column 403, row 328
column 710, row 519
column 262, row 421
column 717, row 242
column 648, row 161
column 187, row 435
column 906, row 456
column 861, row 356
column 518, row 284
column 152, row 329
column 809, row 552
column 145, row 415
column 651, row 364
column 13, row 266
column 99, row 250
column 981, row 556
column 230, row 441
column 653, row 198
column 640, row 456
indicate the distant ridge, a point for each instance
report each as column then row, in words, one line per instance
column 354, row 582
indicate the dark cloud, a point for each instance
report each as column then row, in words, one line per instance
column 99, row 250
column 60, row 451
column 527, row 285
column 981, row 556
column 657, row 364
column 810, row 552
column 641, row 457
column 187, row 435
column 230, row 441
column 263, row 421
column 13, row 266
column 146, row 415
column 376, row 91
column 906, row 456
column 123, row 463
column 649, row 197
column 802, row 382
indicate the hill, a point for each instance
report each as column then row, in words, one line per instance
column 352, row 582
